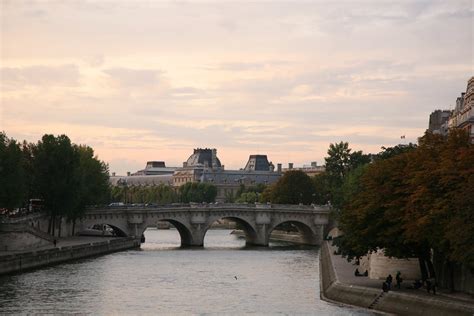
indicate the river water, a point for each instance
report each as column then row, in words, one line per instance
column 224, row 277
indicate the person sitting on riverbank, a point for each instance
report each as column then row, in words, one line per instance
column 357, row 273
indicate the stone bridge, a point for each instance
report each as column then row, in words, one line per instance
column 193, row 220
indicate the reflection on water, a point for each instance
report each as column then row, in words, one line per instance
column 223, row 277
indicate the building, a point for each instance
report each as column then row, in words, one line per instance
column 204, row 166
column 155, row 168
column 441, row 121
column 310, row 170
column 463, row 114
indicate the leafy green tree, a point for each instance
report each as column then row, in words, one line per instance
column 339, row 162
column 413, row 202
column 93, row 182
column 197, row 192
column 247, row 197
column 13, row 179
column 56, row 179
column 293, row 187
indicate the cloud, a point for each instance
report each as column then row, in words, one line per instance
column 39, row 75
column 135, row 77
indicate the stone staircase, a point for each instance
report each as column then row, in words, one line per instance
column 376, row 300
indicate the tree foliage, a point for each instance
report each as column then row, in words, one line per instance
column 293, row 187
column 197, row 192
column 13, row 178
column 419, row 199
column 159, row 194
column 65, row 176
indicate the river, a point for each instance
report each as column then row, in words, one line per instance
column 224, row 277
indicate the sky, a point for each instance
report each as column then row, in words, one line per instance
column 151, row 80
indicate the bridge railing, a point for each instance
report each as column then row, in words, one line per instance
column 243, row 206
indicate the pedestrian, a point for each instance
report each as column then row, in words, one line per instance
column 389, row 280
column 399, row 279
column 433, row 285
column 428, row 286
column 54, row 242
column 385, row 287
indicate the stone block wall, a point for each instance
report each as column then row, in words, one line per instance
column 380, row 266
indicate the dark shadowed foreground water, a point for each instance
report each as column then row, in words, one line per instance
column 223, row 278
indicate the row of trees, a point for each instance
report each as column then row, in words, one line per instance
column 160, row 194
column 164, row 194
column 410, row 201
column 65, row 176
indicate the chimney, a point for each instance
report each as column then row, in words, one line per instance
column 279, row 167
column 128, row 173
column 113, row 174
column 290, row 165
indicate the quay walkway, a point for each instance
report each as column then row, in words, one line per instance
column 341, row 285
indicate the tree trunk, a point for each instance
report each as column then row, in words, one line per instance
column 60, row 225
column 450, row 267
column 50, row 223
column 431, row 268
column 424, row 272
column 54, row 225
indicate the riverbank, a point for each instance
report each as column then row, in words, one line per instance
column 67, row 249
column 338, row 284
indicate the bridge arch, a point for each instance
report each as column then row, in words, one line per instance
column 309, row 233
column 183, row 230
column 251, row 235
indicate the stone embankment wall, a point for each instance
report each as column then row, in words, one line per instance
column 390, row 302
column 22, row 237
column 12, row 263
column 379, row 266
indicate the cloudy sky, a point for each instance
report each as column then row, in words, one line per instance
column 151, row 80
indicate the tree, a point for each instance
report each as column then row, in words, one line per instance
column 55, row 181
column 13, row 179
column 414, row 201
column 93, row 182
column 197, row 192
column 339, row 163
column 293, row 187
column 247, row 197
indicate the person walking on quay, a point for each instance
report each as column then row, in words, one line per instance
column 428, row 286
column 399, row 279
column 389, row 281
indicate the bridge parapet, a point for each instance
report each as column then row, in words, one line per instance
column 214, row 206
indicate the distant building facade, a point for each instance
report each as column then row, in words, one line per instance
column 441, row 121
column 463, row 114
column 155, row 168
column 310, row 170
column 204, row 166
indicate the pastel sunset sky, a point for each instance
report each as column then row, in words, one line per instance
column 151, row 80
